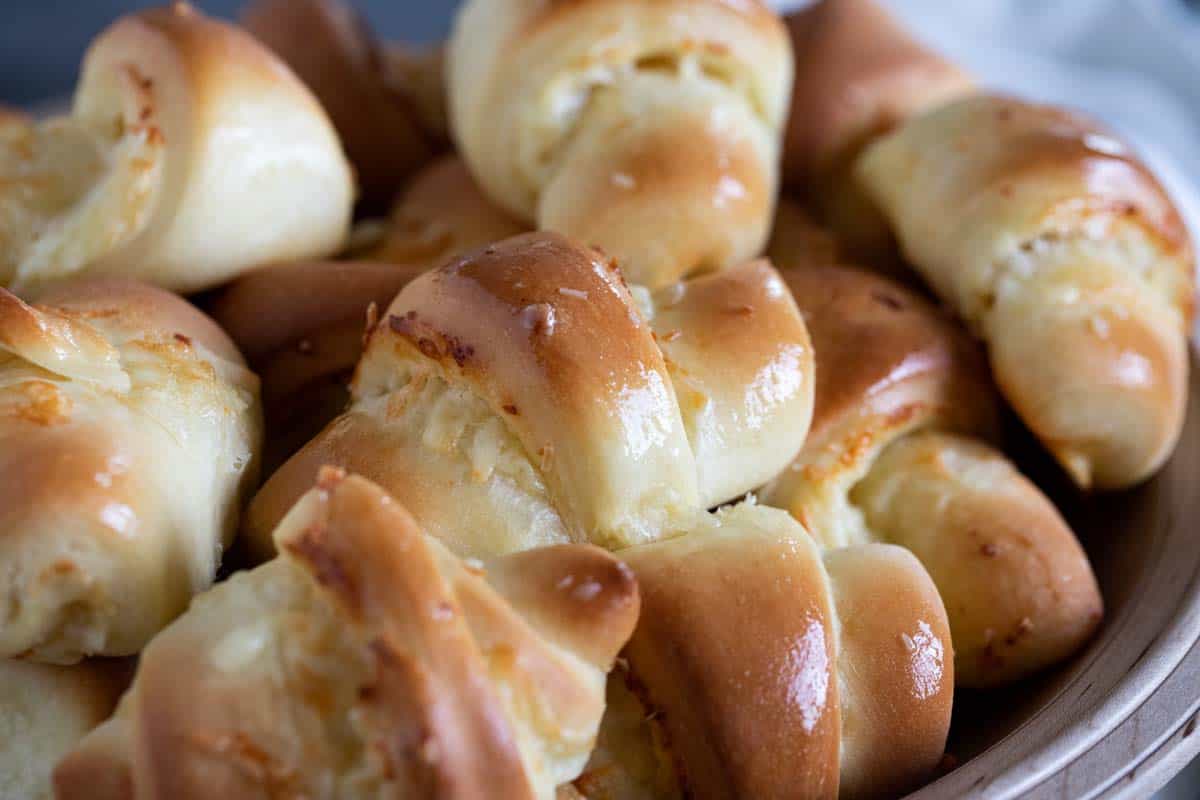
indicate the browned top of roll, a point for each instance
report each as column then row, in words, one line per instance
column 141, row 307
column 583, row 352
column 380, row 121
column 896, row 670
column 1019, row 141
column 858, row 73
column 735, row 650
column 869, row 333
column 204, row 42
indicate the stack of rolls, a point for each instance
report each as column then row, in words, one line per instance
column 590, row 471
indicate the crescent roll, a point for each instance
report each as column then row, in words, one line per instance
column 895, row 455
column 1037, row 226
column 301, row 325
column 129, row 430
column 858, row 75
column 367, row 661
column 190, row 154
column 648, row 129
column 761, row 667
column 45, row 709
column 1048, row 236
column 523, row 395
column 384, row 103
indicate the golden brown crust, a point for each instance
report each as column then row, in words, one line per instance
column 1019, row 591
column 858, row 74
column 755, row 12
column 654, row 181
column 128, row 430
column 203, row 43
column 142, row 307
column 871, row 334
column 378, row 119
column 891, row 370
column 442, row 214
column 547, row 333
column 656, row 140
column 761, row 669
column 798, row 239
column 1032, row 143
column 603, row 589
column 1051, row 235
column 559, row 405
column 302, row 325
column 735, row 654
column 140, row 179
column 425, row 697
column 896, row 667
column 741, row 362
column 56, row 342
column 501, row 282
column 393, row 668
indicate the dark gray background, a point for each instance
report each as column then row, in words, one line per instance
column 41, row 43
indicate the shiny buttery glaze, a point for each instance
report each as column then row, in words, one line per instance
column 589, row 128
column 366, row 660
column 1051, row 238
column 760, row 669
column 524, row 386
column 1018, row 588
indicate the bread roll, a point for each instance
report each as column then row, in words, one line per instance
column 301, row 325
column 521, row 396
column 1018, row 588
column 45, row 709
column 762, row 668
column 190, row 154
column 367, row 661
column 383, row 102
column 443, row 213
column 902, row 396
column 1035, row 225
column 858, row 75
column 129, row 429
column 1049, row 237
column 650, row 130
